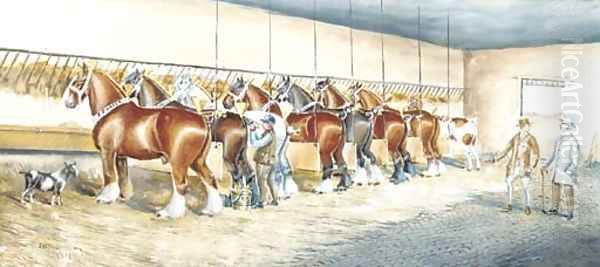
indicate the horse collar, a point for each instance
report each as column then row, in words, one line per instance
column 108, row 109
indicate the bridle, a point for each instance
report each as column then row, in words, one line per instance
column 241, row 95
column 71, row 88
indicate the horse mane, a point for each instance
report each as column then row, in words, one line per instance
column 303, row 91
column 260, row 90
column 114, row 83
column 337, row 91
column 370, row 93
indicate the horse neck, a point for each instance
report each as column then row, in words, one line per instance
column 301, row 97
column 333, row 98
column 151, row 93
column 369, row 100
column 255, row 97
column 102, row 92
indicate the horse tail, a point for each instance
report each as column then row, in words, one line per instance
column 435, row 137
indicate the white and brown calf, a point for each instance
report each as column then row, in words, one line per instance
column 463, row 131
column 48, row 182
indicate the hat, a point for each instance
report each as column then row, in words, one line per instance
column 268, row 119
column 523, row 121
column 564, row 120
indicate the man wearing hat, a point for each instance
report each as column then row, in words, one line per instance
column 524, row 156
column 262, row 134
column 564, row 163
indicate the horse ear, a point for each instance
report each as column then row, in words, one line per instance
column 360, row 85
column 288, row 78
column 327, row 81
column 84, row 66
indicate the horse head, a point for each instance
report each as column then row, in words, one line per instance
column 77, row 88
column 238, row 87
column 134, row 79
column 186, row 88
column 283, row 89
column 355, row 88
column 322, row 85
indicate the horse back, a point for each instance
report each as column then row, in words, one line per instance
column 309, row 124
column 386, row 120
column 228, row 125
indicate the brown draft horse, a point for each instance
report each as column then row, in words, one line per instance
column 254, row 97
column 418, row 123
column 358, row 128
column 320, row 127
column 228, row 128
column 389, row 125
column 123, row 129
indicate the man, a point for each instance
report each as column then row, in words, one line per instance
column 564, row 163
column 263, row 136
column 524, row 156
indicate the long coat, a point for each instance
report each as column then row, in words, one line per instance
column 523, row 158
column 564, row 160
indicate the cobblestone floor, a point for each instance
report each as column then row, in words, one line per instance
column 475, row 233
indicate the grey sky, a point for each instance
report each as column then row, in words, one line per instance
column 474, row 24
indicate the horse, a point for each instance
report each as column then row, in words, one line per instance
column 254, row 97
column 463, row 131
column 229, row 128
column 426, row 126
column 419, row 123
column 358, row 128
column 123, row 129
column 324, row 128
column 389, row 124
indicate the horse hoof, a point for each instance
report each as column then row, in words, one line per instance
column 478, row 169
column 274, row 203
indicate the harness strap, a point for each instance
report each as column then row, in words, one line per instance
column 108, row 109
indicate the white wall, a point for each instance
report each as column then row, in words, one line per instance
column 493, row 94
column 182, row 31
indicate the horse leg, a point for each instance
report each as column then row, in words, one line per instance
column 214, row 202
column 360, row 175
column 440, row 166
column 326, row 185
column 375, row 173
column 338, row 155
column 124, row 181
column 176, row 207
column 398, row 175
column 110, row 192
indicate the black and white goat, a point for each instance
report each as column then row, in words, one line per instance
column 49, row 182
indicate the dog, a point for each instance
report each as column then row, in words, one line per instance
column 48, row 182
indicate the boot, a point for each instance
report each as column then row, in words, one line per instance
column 570, row 194
column 555, row 199
column 527, row 211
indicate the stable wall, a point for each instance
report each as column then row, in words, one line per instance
column 183, row 32
column 493, row 94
